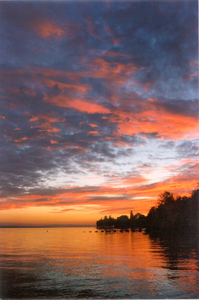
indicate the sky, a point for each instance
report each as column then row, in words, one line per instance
column 98, row 108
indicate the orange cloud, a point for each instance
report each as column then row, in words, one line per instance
column 179, row 183
column 116, row 54
column 81, row 88
column 50, row 73
column 74, row 100
column 53, row 142
column 94, row 132
column 46, row 30
column 77, row 104
column 153, row 99
column 45, row 118
column 114, row 70
column 134, row 181
column 21, row 140
column 114, row 73
column 193, row 72
column 166, row 124
column 45, row 122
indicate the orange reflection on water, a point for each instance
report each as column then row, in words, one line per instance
column 129, row 261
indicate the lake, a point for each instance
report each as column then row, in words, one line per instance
column 76, row 263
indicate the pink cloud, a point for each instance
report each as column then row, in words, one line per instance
column 80, row 88
column 155, row 119
column 77, row 104
column 45, row 123
column 93, row 132
column 47, row 29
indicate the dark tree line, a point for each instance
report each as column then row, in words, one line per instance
column 171, row 214
column 179, row 213
column 123, row 222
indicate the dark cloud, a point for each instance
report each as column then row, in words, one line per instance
column 181, row 107
column 188, row 149
column 168, row 145
column 109, row 199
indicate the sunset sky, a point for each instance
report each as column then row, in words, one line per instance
column 99, row 108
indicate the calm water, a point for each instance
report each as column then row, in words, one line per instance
column 68, row 263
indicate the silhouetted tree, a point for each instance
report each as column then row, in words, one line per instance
column 174, row 214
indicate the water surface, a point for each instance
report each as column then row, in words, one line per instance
column 77, row 263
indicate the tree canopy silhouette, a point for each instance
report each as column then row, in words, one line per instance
column 180, row 213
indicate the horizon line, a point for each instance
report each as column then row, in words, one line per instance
column 45, row 226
